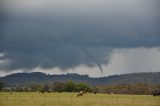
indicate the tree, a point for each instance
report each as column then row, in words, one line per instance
column 36, row 87
column 1, row 86
column 69, row 86
column 19, row 89
column 58, row 87
column 83, row 87
column 27, row 89
column 45, row 88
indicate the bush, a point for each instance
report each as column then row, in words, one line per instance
column 45, row 88
column 69, row 86
column 1, row 86
column 35, row 87
column 19, row 89
column 83, row 87
column 58, row 87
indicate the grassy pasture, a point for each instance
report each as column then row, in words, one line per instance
column 70, row 99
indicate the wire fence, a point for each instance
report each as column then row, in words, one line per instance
column 55, row 99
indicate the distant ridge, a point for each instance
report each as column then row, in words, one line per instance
column 26, row 79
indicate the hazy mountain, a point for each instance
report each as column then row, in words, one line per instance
column 25, row 79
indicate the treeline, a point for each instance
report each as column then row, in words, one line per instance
column 135, row 88
column 1, row 86
column 68, row 86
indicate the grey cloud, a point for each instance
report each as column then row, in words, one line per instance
column 67, row 37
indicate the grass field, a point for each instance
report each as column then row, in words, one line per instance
column 70, row 99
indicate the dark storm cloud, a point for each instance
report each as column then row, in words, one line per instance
column 72, row 36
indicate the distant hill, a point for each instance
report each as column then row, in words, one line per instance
column 26, row 79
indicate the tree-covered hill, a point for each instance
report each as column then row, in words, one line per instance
column 26, row 79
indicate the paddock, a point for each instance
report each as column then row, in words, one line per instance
column 70, row 99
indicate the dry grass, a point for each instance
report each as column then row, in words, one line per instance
column 70, row 99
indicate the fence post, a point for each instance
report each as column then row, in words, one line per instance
column 8, row 101
column 58, row 100
column 32, row 98
column 45, row 99
column 117, row 99
column 101, row 100
column 71, row 98
column 133, row 99
column 20, row 101
column 86, row 100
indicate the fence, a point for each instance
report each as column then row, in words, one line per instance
column 70, row 99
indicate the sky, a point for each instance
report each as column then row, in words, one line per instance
column 94, row 37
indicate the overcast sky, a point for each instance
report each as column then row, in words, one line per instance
column 94, row 37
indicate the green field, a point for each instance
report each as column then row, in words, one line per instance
column 70, row 99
